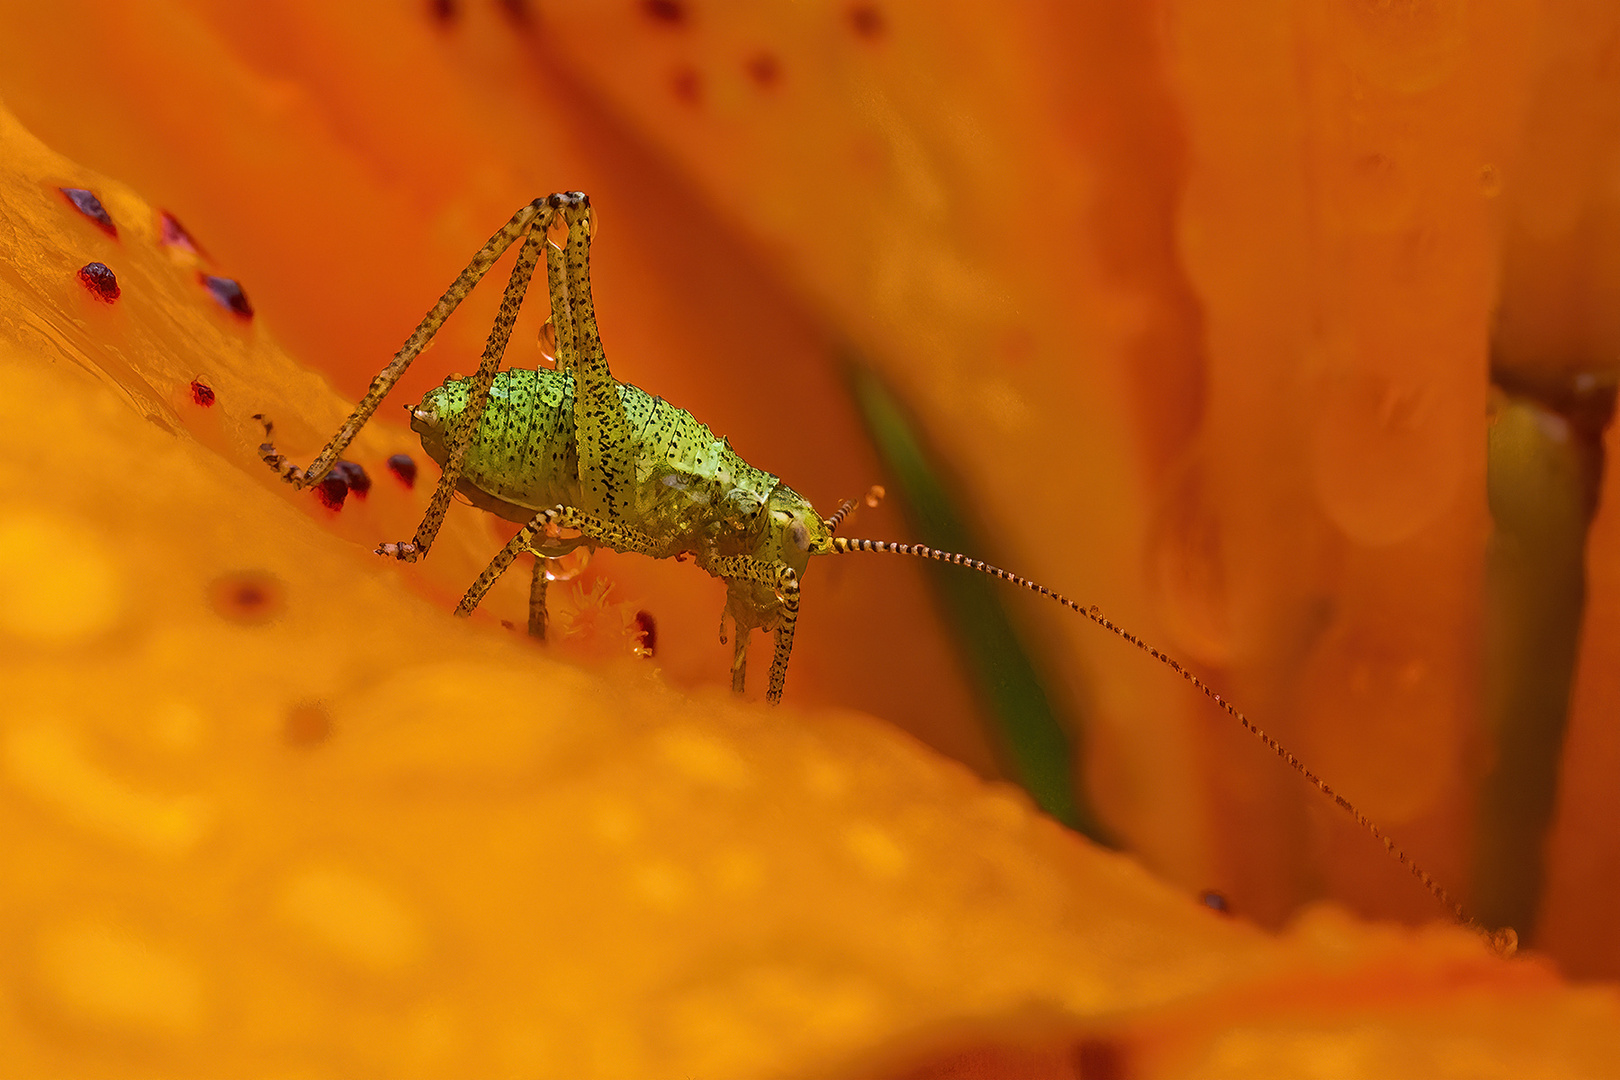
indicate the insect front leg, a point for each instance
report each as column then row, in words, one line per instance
column 536, row 215
column 607, row 533
column 461, row 435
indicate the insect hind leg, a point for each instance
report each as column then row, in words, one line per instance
column 538, row 212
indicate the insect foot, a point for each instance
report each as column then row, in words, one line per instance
column 268, row 454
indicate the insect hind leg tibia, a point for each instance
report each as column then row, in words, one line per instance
column 518, row 227
column 1502, row 940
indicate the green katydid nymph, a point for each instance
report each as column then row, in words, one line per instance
column 575, row 450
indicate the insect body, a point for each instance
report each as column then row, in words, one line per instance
column 691, row 493
column 574, row 449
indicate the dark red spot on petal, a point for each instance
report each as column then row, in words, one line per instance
column 101, row 281
column 443, row 11
column 332, row 492
column 202, row 393
column 516, row 10
column 309, row 723
column 173, row 234
column 90, row 207
column 668, row 12
column 687, row 85
column 1100, row 1059
column 867, row 21
column 764, row 69
column 402, row 466
column 228, row 293
column 646, row 634
column 354, row 476
column 250, row 597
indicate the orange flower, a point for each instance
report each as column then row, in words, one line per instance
column 1200, row 342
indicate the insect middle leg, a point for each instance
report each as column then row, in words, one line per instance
column 537, row 215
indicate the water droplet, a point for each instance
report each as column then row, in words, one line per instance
column 568, row 567
column 548, row 337
column 874, row 495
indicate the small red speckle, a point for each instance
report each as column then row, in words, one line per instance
column 101, row 281
column 173, row 234
column 1100, row 1059
column 669, row 12
column 442, row 10
column 764, row 70
column 202, row 393
column 402, row 466
column 90, row 207
column 228, row 293
column 249, row 597
column 687, row 85
column 332, row 491
column 867, row 21
column 308, row 723
column 516, row 10
column 646, row 634
column 354, row 476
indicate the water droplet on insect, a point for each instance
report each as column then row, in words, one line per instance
column 1490, row 181
column 874, row 495
column 201, row 393
column 228, row 293
column 101, row 281
column 86, row 203
column 568, row 567
column 557, row 232
column 404, row 467
column 548, row 337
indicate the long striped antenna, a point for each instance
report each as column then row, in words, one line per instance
column 1504, row 941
